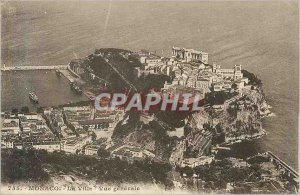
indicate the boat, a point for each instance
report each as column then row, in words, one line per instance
column 75, row 88
column 58, row 73
column 33, row 97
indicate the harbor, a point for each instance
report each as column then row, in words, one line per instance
column 50, row 89
column 60, row 70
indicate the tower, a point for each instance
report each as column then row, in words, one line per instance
column 238, row 72
column 214, row 67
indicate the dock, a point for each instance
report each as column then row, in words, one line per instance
column 15, row 68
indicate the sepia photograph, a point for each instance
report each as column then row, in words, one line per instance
column 149, row 97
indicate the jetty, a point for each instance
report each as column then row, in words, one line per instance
column 52, row 67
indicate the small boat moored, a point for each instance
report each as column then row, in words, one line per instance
column 74, row 86
column 58, row 73
column 33, row 97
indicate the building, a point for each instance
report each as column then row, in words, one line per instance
column 73, row 116
column 91, row 150
column 203, row 83
column 7, row 143
column 33, row 116
column 50, row 146
column 218, row 87
column 146, row 57
column 167, row 85
column 233, row 73
column 38, row 143
column 67, row 132
column 97, row 124
column 77, row 108
column 10, row 126
column 238, row 163
column 179, row 132
column 128, row 152
column 56, row 117
column 74, row 145
column 201, row 143
column 231, row 100
column 152, row 60
column 190, row 54
column 194, row 162
column 115, row 115
column 138, row 72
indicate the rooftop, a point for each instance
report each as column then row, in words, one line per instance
column 95, row 121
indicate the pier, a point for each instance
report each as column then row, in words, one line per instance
column 53, row 67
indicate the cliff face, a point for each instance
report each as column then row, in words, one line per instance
column 148, row 134
column 240, row 119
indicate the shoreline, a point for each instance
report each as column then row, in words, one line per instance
column 69, row 75
column 230, row 141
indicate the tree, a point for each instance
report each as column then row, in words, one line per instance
column 207, row 126
column 40, row 110
column 234, row 86
column 103, row 152
column 94, row 136
column 219, row 128
column 22, row 165
column 14, row 111
column 188, row 171
column 253, row 80
column 25, row 109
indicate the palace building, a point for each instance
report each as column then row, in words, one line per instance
column 190, row 54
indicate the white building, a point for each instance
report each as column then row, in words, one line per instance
column 138, row 72
column 179, row 132
column 203, row 83
column 148, row 154
column 194, row 162
column 33, row 116
column 10, row 126
column 77, row 108
column 152, row 60
column 190, row 54
column 97, row 124
column 91, row 150
column 73, row 145
column 234, row 73
column 7, row 143
column 231, row 100
column 50, row 146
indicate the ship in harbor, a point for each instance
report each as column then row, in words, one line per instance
column 33, row 97
column 58, row 73
column 74, row 86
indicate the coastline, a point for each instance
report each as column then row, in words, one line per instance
column 71, row 76
column 233, row 140
column 229, row 140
